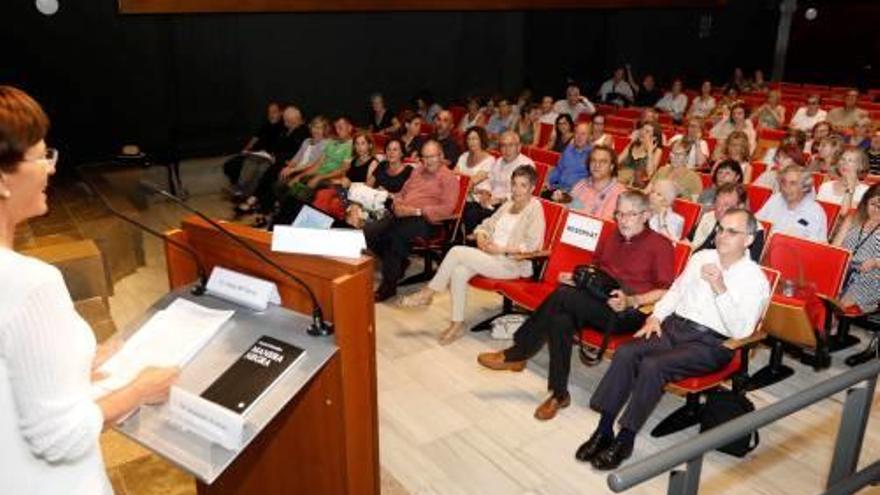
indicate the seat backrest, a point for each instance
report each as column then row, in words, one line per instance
column 541, row 155
column 542, row 170
column 818, row 179
column 758, row 168
column 758, row 195
column 770, row 134
column 681, row 253
column 553, row 215
column 690, row 211
column 832, row 210
column 564, row 257
column 458, row 112
column 706, row 179
column 808, row 263
column 464, row 183
column 426, row 128
column 379, row 141
column 544, row 132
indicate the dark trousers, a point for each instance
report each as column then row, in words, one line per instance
column 641, row 368
column 232, row 168
column 473, row 214
column 390, row 239
column 564, row 312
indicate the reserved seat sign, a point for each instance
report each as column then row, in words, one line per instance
column 582, row 231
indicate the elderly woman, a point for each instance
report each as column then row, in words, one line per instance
column 820, row 131
column 663, row 220
column 726, row 172
column 846, row 190
column 380, row 118
column 703, row 104
column 686, row 180
column 771, row 114
column 785, row 156
column 474, row 116
column 49, row 421
column 698, row 148
column 516, row 228
column 859, row 235
column 642, row 156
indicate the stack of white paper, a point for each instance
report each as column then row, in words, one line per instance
column 171, row 337
column 343, row 243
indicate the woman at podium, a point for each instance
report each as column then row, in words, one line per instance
column 49, row 420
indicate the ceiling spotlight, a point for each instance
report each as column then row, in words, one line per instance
column 47, row 7
column 811, row 13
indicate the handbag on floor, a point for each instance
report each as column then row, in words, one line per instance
column 723, row 406
column 505, row 326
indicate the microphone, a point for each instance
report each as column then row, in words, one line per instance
column 199, row 288
column 319, row 327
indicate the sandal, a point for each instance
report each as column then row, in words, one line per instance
column 414, row 300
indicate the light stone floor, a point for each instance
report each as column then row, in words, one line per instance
column 449, row 427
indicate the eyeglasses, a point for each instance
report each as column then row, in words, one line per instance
column 623, row 215
column 431, row 157
column 728, row 231
column 48, row 160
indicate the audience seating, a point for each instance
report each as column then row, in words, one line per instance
column 832, row 210
column 706, row 179
column 433, row 248
column 554, row 217
column 758, row 195
column 542, row 169
column 541, row 155
column 758, row 168
column 544, row 132
column 736, row 371
column 690, row 211
column 458, row 112
column 811, row 270
column 818, row 179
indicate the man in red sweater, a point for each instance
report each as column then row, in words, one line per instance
column 429, row 195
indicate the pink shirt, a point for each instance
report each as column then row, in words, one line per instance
column 599, row 203
column 436, row 194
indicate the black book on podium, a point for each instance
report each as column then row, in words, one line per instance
column 253, row 374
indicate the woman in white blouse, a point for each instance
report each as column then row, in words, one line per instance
column 663, row 220
column 516, row 228
column 49, row 422
column 476, row 161
column 738, row 121
column 674, row 102
column 703, row 105
column 846, row 190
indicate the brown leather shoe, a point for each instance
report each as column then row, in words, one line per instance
column 548, row 409
column 495, row 361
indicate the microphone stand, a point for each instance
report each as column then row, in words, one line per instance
column 319, row 327
column 202, row 285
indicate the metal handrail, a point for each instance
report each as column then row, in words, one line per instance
column 693, row 449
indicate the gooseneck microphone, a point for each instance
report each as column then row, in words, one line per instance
column 201, row 286
column 319, row 327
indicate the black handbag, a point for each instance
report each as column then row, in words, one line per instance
column 723, row 406
column 598, row 284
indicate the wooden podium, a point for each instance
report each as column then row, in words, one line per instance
column 326, row 440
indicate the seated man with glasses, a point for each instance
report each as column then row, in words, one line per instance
column 640, row 259
column 720, row 295
column 727, row 197
column 495, row 190
column 429, row 194
column 806, row 117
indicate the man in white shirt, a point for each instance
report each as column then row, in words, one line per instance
column 548, row 115
column 720, row 295
column 616, row 90
column 806, row 117
column 493, row 191
column 792, row 211
column 574, row 103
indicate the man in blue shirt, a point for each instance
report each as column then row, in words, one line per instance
column 572, row 165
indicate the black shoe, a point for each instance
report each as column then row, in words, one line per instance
column 613, row 456
column 591, row 448
column 384, row 293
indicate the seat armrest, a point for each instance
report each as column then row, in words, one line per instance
column 545, row 253
column 754, row 338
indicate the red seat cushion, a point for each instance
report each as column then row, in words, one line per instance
column 526, row 293
column 593, row 337
column 484, row 283
column 697, row 383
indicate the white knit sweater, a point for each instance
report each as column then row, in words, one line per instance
column 49, row 425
